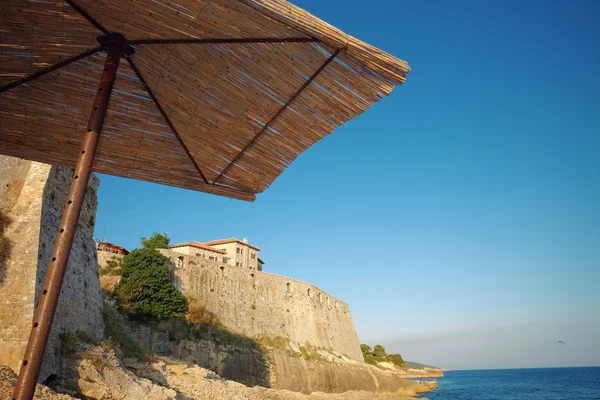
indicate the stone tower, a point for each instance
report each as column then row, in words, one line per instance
column 32, row 196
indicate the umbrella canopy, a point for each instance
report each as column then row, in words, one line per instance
column 218, row 96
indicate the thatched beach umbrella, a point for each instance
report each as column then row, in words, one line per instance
column 218, row 96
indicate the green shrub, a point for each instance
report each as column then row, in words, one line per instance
column 304, row 352
column 84, row 337
column 145, row 291
column 69, row 344
column 113, row 266
column 378, row 354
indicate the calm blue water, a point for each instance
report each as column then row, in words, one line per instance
column 520, row 384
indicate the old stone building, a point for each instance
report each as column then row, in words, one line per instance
column 233, row 252
column 200, row 250
column 32, row 196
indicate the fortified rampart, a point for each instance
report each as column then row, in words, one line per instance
column 32, row 195
column 257, row 304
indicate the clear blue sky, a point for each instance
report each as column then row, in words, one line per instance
column 460, row 217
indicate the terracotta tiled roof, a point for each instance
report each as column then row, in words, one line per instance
column 199, row 246
column 224, row 241
column 112, row 245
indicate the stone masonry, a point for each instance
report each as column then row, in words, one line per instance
column 33, row 196
column 257, row 304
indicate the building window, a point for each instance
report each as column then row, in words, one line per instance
column 253, row 255
column 237, row 264
column 288, row 288
column 238, row 250
column 107, row 249
column 198, row 255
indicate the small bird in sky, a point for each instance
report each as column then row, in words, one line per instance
column 561, row 342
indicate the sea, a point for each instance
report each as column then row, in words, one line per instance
column 519, row 384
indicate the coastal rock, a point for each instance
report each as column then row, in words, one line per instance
column 193, row 382
column 336, row 376
column 99, row 374
column 8, row 379
column 102, row 376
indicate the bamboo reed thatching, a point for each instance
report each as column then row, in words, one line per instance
column 220, row 95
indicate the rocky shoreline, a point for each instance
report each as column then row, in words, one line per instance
column 97, row 373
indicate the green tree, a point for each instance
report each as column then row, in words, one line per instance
column 379, row 351
column 365, row 348
column 157, row 241
column 145, row 291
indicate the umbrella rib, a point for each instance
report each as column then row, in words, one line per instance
column 87, row 16
column 278, row 113
column 224, row 40
column 47, row 70
column 166, row 118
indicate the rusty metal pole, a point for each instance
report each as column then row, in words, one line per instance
column 48, row 298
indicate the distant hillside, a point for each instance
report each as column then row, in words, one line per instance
column 415, row 365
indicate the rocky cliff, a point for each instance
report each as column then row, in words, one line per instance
column 334, row 375
column 274, row 363
column 96, row 373
column 245, row 364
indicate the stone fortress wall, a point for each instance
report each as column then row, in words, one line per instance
column 33, row 195
column 257, row 304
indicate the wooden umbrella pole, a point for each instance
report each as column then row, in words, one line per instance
column 48, row 298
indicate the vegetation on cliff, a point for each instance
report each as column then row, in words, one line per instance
column 378, row 354
column 145, row 291
column 114, row 266
column 116, row 330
